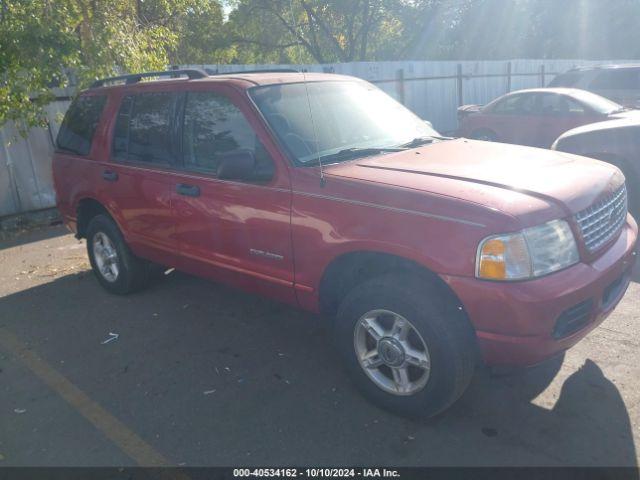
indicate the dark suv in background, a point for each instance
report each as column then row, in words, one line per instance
column 620, row 83
column 616, row 142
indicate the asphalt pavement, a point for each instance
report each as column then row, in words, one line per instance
column 193, row 373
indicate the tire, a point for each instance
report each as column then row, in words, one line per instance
column 106, row 247
column 485, row 135
column 434, row 315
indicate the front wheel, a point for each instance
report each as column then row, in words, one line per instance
column 407, row 346
column 117, row 269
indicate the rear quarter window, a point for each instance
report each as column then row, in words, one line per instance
column 520, row 104
column 80, row 123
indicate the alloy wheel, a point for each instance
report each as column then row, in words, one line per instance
column 106, row 257
column 392, row 352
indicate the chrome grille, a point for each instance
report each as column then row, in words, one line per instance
column 603, row 220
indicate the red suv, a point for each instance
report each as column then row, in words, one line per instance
column 427, row 254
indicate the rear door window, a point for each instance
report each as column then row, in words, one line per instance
column 558, row 105
column 80, row 123
column 143, row 130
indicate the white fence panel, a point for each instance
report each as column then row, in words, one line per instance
column 432, row 89
column 26, row 183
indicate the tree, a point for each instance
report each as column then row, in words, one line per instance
column 198, row 26
column 501, row 29
column 319, row 30
column 35, row 42
column 44, row 43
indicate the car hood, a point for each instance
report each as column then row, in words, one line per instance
column 625, row 122
column 632, row 114
column 509, row 178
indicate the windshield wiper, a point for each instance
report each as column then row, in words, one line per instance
column 620, row 110
column 355, row 152
column 419, row 141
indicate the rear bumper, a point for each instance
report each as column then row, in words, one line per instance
column 524, row 323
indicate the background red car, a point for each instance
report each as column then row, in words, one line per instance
column 536, row 117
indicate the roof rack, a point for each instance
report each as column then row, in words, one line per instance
column 240, row 72
column 192, row 73
column 605, row 66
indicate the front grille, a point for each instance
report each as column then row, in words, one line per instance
column 573, row 319
column 603, row 220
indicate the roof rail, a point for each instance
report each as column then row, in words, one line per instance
column 606, row 66
column 240, row 72
column 192, row 73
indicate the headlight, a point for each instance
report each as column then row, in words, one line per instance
column 531, row 253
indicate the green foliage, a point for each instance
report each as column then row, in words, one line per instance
column 42, row 42
column 351, row 30
column 499, row 29
column 201, row 36
column 34, row 41
column 320, row 31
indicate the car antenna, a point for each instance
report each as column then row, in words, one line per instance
column 313, row 123
column 313, row 126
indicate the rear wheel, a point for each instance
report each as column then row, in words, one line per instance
column 407, row 346
column 117, row 269
column 485, row 135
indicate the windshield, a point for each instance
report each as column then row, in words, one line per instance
column 347, row 115
column 596, row 102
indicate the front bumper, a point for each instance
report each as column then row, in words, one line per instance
column 524, row 323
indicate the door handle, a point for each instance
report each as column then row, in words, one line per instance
column 110, row 176
column 188, row 190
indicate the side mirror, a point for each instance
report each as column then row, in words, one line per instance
column 238, row 165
